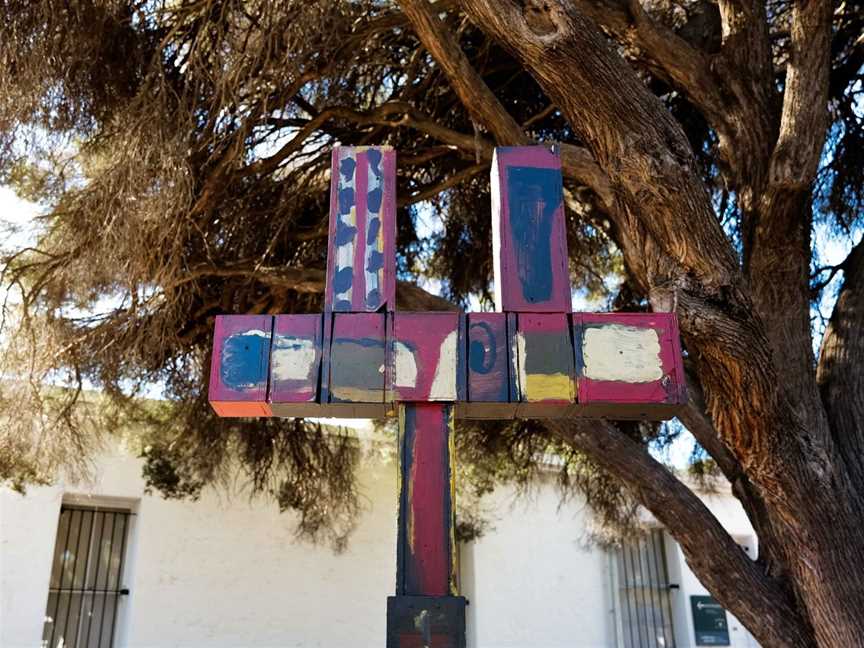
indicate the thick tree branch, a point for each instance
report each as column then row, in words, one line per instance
column 778, row 246
column 841, row 365
column 409, row 296
column 448, row 183
column 727, row 571
column 478, row 99
column 641, row 149
column 668, row 56
column 696, row 419
column 576, row 162
column 805, row 100
column 673, row 243
column 746, row 67
column 483, row 106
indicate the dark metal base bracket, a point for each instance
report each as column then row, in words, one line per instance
column 426, row 621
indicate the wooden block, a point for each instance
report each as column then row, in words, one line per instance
column 361, row 258
column 628, row 365
column 239, row 366
column 488, row 368
column 513, row 357
column 356, row 410
column 427, row 356
column 545, row 362
column 356, row 360
column 529, row 238
column 418, row 621
column 295, row 365
column 426, row 543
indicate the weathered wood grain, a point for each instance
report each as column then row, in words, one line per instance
column 426, row 542
column 295, row 365
column 239, row 365
column 428, row 358
column 361, row 259
column 545, row 364
column 628, row 365
column 528, row 234
column 488, row 368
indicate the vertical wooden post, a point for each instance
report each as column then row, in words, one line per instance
column 426, row 611
column 425, row 549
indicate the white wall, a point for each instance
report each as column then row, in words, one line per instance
column 228, row 572
column 533, row 581
column 730, row 514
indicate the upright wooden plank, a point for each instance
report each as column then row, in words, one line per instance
column 361, row 270
column 529, row 237
column 426, row 561
column 295, row 365
column 513, row 357
column 426, row 622
column 427, row 356
column 628, row 365
column 239, row 366
column 462, row 360
column 545, row 360
column 357, row 366
column 488, row 368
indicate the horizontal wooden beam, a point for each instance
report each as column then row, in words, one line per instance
column 491, row 365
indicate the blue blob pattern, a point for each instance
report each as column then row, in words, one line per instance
column 241, row 367
column 534, row 196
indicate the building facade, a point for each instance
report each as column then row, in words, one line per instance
column 106, row 565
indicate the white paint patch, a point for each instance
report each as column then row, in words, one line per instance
column 406, row 366
column 345, row 253
column 520, row 354
column 444, row 383
column 257, row 332
column 293, row 358
column 624, row 353
column 374, row 182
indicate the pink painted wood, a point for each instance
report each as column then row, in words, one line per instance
column 643, row 378
column 295, row 365
column 357, row 358
column 239, row 365
column 361, row 261
column 545, row 364
column 528, row 233
column 425, row 546
column 488, row 363
column 427, row 356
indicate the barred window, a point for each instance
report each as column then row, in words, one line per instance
column 86, row 578
column 644, row 601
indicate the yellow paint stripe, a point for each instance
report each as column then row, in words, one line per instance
column 544, row 387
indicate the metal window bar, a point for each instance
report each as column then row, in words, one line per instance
column 643, row 586
column 85, row 585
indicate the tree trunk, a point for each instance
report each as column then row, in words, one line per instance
column 767, row 414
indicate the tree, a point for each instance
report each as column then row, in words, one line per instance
column 181, row 150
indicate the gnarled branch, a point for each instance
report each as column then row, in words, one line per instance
column 724, row 570
column 840, row 371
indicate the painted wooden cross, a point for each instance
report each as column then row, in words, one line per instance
column 362, row 358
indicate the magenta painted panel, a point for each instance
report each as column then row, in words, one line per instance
column 425, row 545
column 427, row 356
column 295, row 358
column 545, row 358
column 361, row 259
column 239, row 366
column 488, row 362
column 357, row 358
column 528, row 231
column 629, row 358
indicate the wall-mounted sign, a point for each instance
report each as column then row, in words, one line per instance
column 709, row 622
